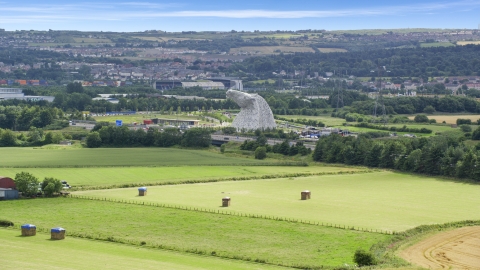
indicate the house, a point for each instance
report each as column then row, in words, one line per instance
column 8, row 194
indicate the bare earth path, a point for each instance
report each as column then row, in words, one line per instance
column 457, row 249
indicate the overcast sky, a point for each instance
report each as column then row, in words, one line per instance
column 226, row 15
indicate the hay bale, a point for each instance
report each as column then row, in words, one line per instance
column 57, row 233
column 226, row 202
column 142, row 191
column 305, row 195
column 29, row 230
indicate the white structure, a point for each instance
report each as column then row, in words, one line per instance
column 254, row 111
column 17, row 93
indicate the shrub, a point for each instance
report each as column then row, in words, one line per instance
column 461, row 121
column 5, row 223
column 421, row 118
column 260, row 152
column 466, row 128
column 364, row 258
column 222, row 148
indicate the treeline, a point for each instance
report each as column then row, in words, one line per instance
column 409, row 62
column 439, row 155
column 394, row 129
column 104, row 135
column 25, row 116
column 412, row 105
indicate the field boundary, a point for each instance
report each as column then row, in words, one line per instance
column 293, row 164
column 214, row 180
column 230, row 213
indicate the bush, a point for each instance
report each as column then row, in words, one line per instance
column 466, row 128
column 5, row 223
column 94, row 140
column 461, row 121
column 222, row 148
column 364, row 258
column 429, row 109
column 421, row 118
column 260, row 152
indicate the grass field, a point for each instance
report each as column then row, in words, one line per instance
column 101, row 157
column 138, row 118
column 436, row 44
column 270, row 49
column 74, row 253
column 380, row 200
column 452, row 119
column 103, row 176
column 326, row 119
column 228, row 236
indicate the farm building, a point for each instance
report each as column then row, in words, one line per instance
column 8, row 194
column 6, row 182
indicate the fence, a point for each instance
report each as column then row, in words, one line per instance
column 230, row 213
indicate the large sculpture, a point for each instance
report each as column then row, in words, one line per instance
column 254, row 111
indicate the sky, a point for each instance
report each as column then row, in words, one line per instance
column 246, row 15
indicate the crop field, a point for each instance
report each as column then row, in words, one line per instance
column 452, row 119
column 270, row 49
column 76, row 253
column 379, row 200
column 81, row 40
column 462, row 43
column 111, row 157
column 106, row 177
column 272, row 241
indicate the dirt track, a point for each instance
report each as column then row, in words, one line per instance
column 457, row 249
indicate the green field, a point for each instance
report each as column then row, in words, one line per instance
column 102, row 176
column 109, row 157
column 326, row 119
column 229, row 236
column 437, row 44
column 380, row 200
column 73, row 253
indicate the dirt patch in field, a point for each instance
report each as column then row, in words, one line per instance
column 457, row 249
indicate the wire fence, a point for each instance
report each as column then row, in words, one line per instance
column 232, row 213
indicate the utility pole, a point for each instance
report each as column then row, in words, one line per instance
column 379, row 107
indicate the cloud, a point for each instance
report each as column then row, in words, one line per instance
column 125, row 11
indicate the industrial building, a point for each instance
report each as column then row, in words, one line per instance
column 17, row 93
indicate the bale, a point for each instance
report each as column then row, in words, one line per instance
column 142, row 191
column 305, row 195
column 57, row 233
column 226, row 202
column 29, row 230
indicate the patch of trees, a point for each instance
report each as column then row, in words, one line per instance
column 30, row 186
column 413, row 105
column 112, row 136
column 439, row 155
column 22, row 118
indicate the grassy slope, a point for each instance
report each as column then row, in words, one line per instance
column 78, row 157
column 127, row 175
column 382, row 200
column 74, row 253
column 274, row 241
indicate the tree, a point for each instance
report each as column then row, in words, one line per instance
column 429, row 109
column 94, row 140
column 260, row 152
column 364, row 258
column 51, row 186
column 7, row 138
column 476, row 134
column 421, row 118
column 75, row 87
column 26, row 183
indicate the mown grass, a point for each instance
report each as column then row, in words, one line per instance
column 383, row 200
column 437, row 44
column 75, row 253
column 102, row 176
column 276, row 242
column 104, row 157
column 138, row 118
column 452, row 118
